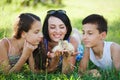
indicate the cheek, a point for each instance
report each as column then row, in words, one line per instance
column 31, row 38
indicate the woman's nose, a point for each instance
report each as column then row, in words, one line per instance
column 57, row 30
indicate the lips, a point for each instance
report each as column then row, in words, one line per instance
column 57, row 36
column 86, row 42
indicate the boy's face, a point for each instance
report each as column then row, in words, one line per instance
column 91, row 35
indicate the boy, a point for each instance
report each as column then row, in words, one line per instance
column 103, row 54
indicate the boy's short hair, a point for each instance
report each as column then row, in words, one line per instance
column 98, row 20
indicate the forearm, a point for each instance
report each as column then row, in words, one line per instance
column 25, row 55
column 4, row 66
column 32, row 64
column 68, row 64
column 84, row 61
column 53, row 64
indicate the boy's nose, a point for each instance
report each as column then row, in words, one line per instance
column 40, row 34
column 84, row 36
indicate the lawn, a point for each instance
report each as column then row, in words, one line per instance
column 76, row 10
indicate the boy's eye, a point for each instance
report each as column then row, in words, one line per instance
column 90, row 33
column 83, row 32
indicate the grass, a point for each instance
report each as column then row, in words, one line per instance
column 76, row 10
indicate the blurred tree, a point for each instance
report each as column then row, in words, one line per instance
column 59, row 2
column 25, row 2
column 8, row 1
column 35, row 2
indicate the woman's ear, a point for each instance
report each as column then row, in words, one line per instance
column 23, row 35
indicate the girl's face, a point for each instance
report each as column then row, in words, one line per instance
column 34, row 35
column 56, row 29
column 91, row 35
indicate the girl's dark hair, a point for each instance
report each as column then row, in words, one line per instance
column 24, row 23
column 97, row 19
column 62, row 16
column 40, row 56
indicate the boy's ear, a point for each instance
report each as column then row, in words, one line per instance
column 23, row 35
column 103, row 35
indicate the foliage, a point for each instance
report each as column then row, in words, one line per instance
column 76, row 10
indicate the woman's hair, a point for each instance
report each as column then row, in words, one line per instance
column 24, row 23
column 40, row 56
column 61, row 14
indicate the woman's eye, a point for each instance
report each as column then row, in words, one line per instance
column 62, row 27
column 52, row 27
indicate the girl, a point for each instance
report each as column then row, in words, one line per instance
column 16, row 50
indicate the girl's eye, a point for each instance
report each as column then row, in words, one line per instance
column 36, row 32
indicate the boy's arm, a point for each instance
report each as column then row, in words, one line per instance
column 115, row 54
column 84, row 61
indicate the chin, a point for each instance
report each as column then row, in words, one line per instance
column 87, row 46
column 57, row 40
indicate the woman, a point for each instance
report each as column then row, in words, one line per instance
column 56, row 26
column 16, row 50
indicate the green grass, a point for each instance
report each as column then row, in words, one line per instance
column 76, row 10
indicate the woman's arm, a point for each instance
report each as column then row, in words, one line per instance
column 68, row 63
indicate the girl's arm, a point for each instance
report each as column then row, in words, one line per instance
column 4, row 61
column 27, row 51
column 32, row 64
column 115, row 53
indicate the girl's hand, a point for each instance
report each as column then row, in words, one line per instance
column 28, row 49
column 29, row 45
